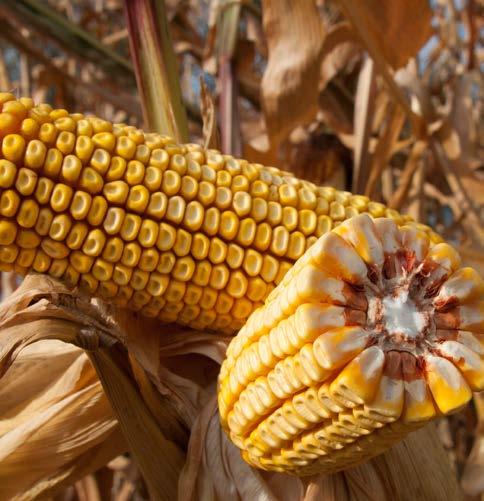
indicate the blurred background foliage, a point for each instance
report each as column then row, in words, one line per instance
column 380, row 98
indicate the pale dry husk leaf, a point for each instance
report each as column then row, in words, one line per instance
column 289, row 86
column 56, row 420
column 45, row 309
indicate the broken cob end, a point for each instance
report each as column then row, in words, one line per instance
column 376, row 331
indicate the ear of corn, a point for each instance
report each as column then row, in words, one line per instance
column 170, row 230
column 372, row 333
column 369, row 328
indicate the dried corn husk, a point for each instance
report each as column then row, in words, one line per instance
column 56, row 424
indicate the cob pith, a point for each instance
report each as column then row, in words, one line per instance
column 369, row 327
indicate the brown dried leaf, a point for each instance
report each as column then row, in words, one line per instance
column 396, row 29
column 339, row 52
column 43, row 308
column 295, row 36
column 55, row 418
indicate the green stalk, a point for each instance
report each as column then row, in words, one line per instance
column 156, row 68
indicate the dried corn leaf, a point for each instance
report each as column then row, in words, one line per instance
column 396, row 29
column 290, row 83
column 339, row 52
column 45, row 309
column 55, row 419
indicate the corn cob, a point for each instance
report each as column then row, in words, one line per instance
column 372, row 333
column 202, row 239
column 170, row 230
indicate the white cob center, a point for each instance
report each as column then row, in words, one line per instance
column 400, row 315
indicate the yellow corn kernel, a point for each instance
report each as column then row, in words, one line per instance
column 113, row 250
column 84, row 148
column 104, row 140
column 44, row 221
column 130, row 227
column 116, row 192
column 229, row 225
column 94, row 243
column 80, row 262
column 100, row 161
column 53, row 163
column 48, row 133
column 102, row 270
column 206, row 193
column 152, row 179
column 8, row 232
column 148, row 233
column 25, row 258
column 160, row 159
column 41, row 262
column 55, row 250
column 28, row 213
column 35, row 154
column 9, row 203
column 60, row 227
column 117, row 168
column 8, row 124
column 8, row 173
column 88, row 283
column 65, row 142
column 131, row 254
column 13, row 147
column 149, row 259
column 71, row 169
column 28, row 239
column 125, row 147
column 99, row 125
column 175, row 209
column 114, row 220
column 97, row 212
column 61, row 197
column 26, row 181
column 76, row 235
column 91, row 181
column 44, row 190
column 135, row 172
column 138, row 198
column 80, row 205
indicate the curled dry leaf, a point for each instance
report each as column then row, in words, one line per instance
column 340, row 51
column 52, row 406
column 46, row 309
column 290, row 82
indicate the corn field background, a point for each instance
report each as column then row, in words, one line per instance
column 379, row 98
